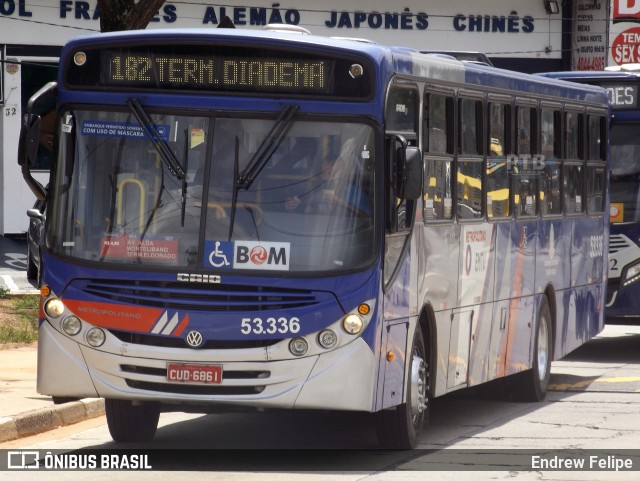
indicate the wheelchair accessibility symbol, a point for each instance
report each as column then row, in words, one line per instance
column 218, row 257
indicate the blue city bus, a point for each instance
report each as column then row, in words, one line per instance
column 623, row 289
column 243, row 219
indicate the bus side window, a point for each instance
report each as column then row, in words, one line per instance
column 572, row 169
column 402, row 112
column 470, row 189
column 550, row 197
column 572, row 174
column 525, row 178
column 596, row 137
column 498, row 192
column 470, row 127
column 596, row 187
column 470, row 175
column 596, row 169
column 438, row 119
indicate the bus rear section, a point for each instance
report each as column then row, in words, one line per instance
column 621, row 84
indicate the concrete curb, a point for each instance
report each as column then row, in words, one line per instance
column 41, row 420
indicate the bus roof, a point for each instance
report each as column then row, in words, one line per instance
column 396, row 60
column 592, row 75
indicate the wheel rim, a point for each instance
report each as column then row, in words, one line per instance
column 543, row 348
column 418, row 386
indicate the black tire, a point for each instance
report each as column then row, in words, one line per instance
column 63, row 400
column 531, row 385
column 400, row 428
column 131, row 424
column 32, row 268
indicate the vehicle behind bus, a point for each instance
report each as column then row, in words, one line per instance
column 623, row 289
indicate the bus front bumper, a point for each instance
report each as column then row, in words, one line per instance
column 341, row 379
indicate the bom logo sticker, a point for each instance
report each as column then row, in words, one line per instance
column 254, row 255
column 261, row 255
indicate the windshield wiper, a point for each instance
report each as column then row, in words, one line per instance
column 158, row 142
column 266, row 149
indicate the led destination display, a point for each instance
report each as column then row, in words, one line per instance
column 228, row 68
column 197, row 72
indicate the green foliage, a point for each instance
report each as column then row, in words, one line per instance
column 25, row 333
column 19, row 322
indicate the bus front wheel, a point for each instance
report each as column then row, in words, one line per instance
column 400, row 428
column 129, row 423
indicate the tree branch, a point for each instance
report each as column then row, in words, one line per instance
column 116, row 15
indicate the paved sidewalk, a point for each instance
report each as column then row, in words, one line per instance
column 24, row 412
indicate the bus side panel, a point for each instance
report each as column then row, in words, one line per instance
column 398, row 308
column 477, row 288
column 587, row 259
column 394, row 339
column 438, row 252
column 578, row 317
column 439, row 247
column 554, row 247
column 514, row 269
column 443, row 337
column 476, row 278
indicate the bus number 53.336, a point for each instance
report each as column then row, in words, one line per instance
column 270, row 325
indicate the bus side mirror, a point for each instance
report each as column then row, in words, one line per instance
column 29, row 140
column 413, row 173
column 408, row 170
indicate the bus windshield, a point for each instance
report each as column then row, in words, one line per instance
column 308, row 206
column 625, row 169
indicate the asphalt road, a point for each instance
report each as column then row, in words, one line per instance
column 592, row 406
column 13, row 266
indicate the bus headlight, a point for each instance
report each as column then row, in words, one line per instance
column 95, row 337
column 631, row 274
column 352, row 324
column 298, row 346
column 54, row 308
column 327, row 338
column 71, row 325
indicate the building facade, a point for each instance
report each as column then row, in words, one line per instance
column 521, row 35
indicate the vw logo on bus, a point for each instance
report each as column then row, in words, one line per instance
column 194, row 339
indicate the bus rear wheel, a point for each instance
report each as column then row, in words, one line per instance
column 400, row 428
column 129, row 423
column 531, row 385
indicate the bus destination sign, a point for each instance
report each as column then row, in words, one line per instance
column 227, row 68
column 200, row 72
column 623, row 96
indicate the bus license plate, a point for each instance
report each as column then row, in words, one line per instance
column 194, row 373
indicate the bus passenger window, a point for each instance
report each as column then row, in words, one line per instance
column 438, row 198
column 596, row 186
column 550, row 197
column 550, row 148
column 470, row 126
column 572, row 180
column 523, row 127
column 549, row 183
column 525, row 194
column 438, row 111
column 469, row 189
column 498, row 201
column 596, row 137
column 573, row 122
column 498, row 198
column 401, row 111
